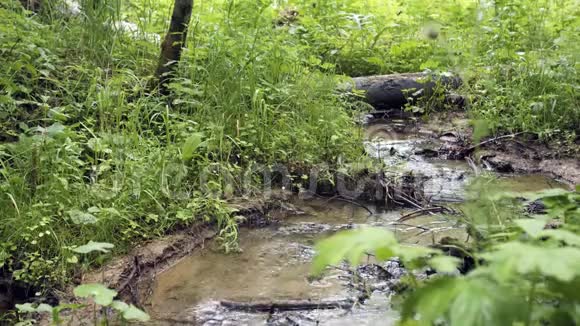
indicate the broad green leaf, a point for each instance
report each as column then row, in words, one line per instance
column 192, row 143
column 552, row 192
column 130, row 312
column 352, row 245
column 55, row 129
column 73, row 259
column 134, row 313
column 432, row 301
column 79, row 217
column 94, row 246
column 444, row 264
column 565, row 236
column 29, row 308
column 119, row 305
column 101, row 294
column 481, row 302
column 43, row 307
column 409, row 253
column 514, row 258
column 25, row 307
column 531, row 226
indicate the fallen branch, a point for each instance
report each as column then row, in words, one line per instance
column 354, row 202
column 422, row 211
column 292, row 305
column 485, row 142
column 411, row 226
column 132, row 274
column 344, row 199
column 472, row 165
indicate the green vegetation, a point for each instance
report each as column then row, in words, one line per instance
column 99, row 157
column 524, row 274
column 98, row 293
column 89, row 151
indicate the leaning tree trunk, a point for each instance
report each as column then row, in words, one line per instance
column 173, row 43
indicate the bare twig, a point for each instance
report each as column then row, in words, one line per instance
column 131, row 275
column 344, row 199
column 420, row 212
column 485, row 142
column 472, row 165
column 411, row 226
column 7, row 53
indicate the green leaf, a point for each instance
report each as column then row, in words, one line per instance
column 192, row 143
column 55, row 129
column 94, row 246
column 514, row 258
column 119, row 305
column 73, row 259
column 130, row 312
column 352, row 245
column 43, row 307
column 432, row 300
column 531, row 226
column 409, row 253
column 29, row 308
column 133, row 313
column 101, row 294
column 565, row 236
column 78, row 217
column 553, row 192
column 481, row 302
column 444, row 264
column 25, row 307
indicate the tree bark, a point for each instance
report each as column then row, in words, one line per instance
column 173, row 43
column 32, row 5
column 388, row 92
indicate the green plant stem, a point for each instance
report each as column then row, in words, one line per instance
column 531, row 298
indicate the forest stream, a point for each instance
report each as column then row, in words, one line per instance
column 273, row 267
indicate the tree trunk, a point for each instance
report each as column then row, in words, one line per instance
column 392, row 92
column 173, row 43
column 32, row 5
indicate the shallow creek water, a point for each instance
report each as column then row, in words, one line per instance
column 274, row 263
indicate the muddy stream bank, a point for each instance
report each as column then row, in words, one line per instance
column 268, row 282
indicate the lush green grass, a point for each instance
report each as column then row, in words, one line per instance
column 98, row 157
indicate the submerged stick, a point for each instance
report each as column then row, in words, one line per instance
column 420, row 212
column 291, row 305
column 485, row 142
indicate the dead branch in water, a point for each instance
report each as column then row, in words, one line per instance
column 411, row 226
column 345, row 199
column 472, row 165
column 485, row 142
column 422, row 211
column 292, row 305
